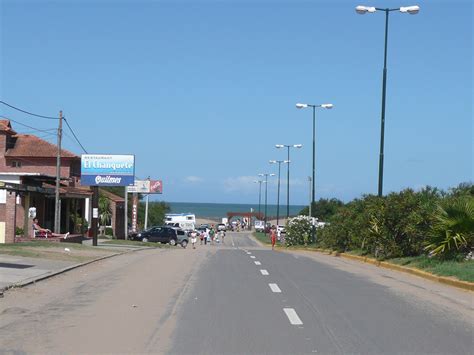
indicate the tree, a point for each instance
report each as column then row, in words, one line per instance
column 323, row 209
column 156, row 213
column 453, row 231
column 105, row 211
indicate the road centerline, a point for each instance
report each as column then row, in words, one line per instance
column 275, row 288
column 292, row 316
column 257, row 263
column 264, row 272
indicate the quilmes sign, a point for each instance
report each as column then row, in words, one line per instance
column 107, row 170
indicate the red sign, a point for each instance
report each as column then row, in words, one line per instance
column 156, row 187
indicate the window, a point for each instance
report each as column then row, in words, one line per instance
column 16, row 164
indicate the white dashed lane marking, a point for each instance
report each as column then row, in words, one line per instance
column 264, row 272
column 292, row 316
column 274, row 288
column 257, row 263
column 252, row 256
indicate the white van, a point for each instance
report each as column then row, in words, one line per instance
column 186, row 221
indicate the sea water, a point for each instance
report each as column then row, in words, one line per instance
column 219, row 210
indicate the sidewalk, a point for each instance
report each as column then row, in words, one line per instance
column 19, row 271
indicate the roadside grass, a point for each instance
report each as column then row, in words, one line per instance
column 463, row 270
column 53, row 251
column 134, row 243
column 261, row 237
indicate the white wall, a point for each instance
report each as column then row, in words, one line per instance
column 13, row 179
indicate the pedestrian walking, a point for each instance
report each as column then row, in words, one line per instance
column 273, row 237
column 193, row 239
column 201, row 236
column 212, row 234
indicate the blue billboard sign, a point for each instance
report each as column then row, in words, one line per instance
column 107, row 170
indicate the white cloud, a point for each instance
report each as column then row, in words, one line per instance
column 240, row 183
column 193, row 179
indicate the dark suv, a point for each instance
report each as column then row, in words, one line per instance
column 163, row 234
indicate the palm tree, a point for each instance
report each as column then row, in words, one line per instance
column 105, row 212
column 453, row 231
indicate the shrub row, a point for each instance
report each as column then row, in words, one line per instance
column 407, row 223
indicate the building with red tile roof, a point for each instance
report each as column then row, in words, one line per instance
column 27, row 160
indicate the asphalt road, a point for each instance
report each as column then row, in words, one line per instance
column 237, row 298
column 252, row 300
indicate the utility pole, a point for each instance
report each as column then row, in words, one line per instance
column 57, row 205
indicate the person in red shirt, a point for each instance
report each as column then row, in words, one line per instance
column 273, row 236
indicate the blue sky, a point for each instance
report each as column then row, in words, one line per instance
column 201, row 91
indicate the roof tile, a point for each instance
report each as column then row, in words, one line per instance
column 31, row 146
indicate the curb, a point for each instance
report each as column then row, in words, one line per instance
column 61, row 271
column 465, row 285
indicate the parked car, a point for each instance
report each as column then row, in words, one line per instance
column 281, row 229
column 221, row 227
column 163, row 234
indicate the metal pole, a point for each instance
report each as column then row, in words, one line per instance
column 266, row 188
column 146, row 212
column 57, row 206
column 278, row 194
column 95, row 214
column 259, row 197
column 314, row 151
column 309, row 180
column 382, row 125
column 126, row 213
column 288, row 187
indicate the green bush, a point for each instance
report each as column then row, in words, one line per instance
column 19, row 231
column 109, row 231
column 402, row 224
column 453, row 230
column 391, row 226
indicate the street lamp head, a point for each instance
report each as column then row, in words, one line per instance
column 327, row 106
column 362, row 10
column 279, row 146
column 271, row 174
column 412, row 10
column 272, row 161
column 297, row 145
column 286, row 161
column 261, row 174
column 298, row 105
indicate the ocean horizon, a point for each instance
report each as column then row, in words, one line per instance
column 219, row 210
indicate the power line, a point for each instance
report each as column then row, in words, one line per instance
column 25, row 125
column 28, row 113
column 74, row 134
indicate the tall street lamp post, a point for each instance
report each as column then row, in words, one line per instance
column 278, row 146
column 259, row 182
column 412, row 10
column 278, row 194
column 326, row 106
column 266, row 191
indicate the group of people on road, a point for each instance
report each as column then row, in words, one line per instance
column 207, row 236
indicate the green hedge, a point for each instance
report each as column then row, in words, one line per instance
column 401, row 224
